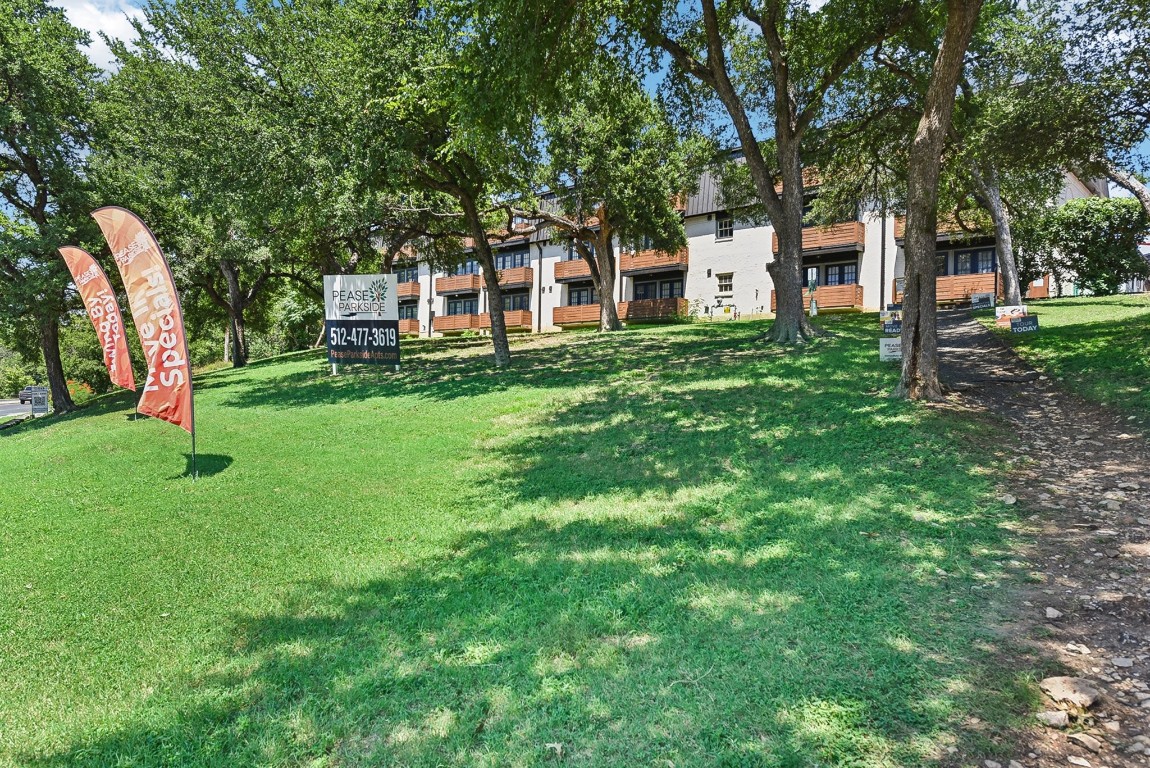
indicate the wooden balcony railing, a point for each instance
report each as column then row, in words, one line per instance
column 575, row 269
column 457, row 284
column 408, row 290
column 831, row 297
column 945, row 226
column 956, row 289
column 579, row 315
column 847, row 234
column 651, row 260
column 652, row 309
column 516, row 276
column 810, row 179
column 449, row 323
column 409, row 327
column 513, row 318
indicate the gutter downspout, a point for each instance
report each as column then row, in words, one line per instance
column 882, row 262
column 539, row 293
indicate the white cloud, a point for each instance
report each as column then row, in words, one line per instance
column 112, row 17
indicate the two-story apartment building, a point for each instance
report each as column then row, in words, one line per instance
column 721, row 274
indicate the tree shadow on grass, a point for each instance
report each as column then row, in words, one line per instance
column 769, row 566
column 625, row 644
column 576, row 359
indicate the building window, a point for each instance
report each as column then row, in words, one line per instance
column 941, row 256
column 469, row 267
column 407, row 274
column 646, row 291
column 808, row 209
column 726, row 282
column 671, row 289
column 512, row 259
column 408, row 311
column 463, row 306
column 573, row 255
column 659, row 289
column 811, row 277
column 578, row 297
column 842, row 274
column 516, row 301
column 724, row 226
column 974, row 262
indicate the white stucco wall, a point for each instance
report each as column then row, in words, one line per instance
column 745, row 255
column 876, row 286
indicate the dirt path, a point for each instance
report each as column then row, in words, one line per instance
column 1085, row 487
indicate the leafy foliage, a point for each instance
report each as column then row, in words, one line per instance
column 1095, row 240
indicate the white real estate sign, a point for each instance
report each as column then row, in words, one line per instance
column 361, row 319
column 890, row 350
column 39, row 401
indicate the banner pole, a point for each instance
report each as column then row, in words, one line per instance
column 195, row 472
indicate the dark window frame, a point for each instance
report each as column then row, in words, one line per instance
column 455, row 305
column 724, row 226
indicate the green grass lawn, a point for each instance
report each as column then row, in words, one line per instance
column 664, row 547
column 1098, row 346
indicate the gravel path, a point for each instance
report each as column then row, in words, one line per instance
column 1084, row 486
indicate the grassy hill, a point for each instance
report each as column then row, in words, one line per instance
column 1096, row 345
column 672, row 546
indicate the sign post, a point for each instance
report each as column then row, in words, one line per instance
column 361, row 319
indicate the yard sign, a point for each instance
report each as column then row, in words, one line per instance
column 362, row 319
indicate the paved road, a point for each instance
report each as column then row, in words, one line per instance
column 9, row 408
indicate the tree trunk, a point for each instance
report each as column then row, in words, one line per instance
column 227, row 342
column 239, row 339
column 605, row 267
column 231, row 274
column 919, row 380
column 491, row 280
column 495, row 307
column 791, row 325
column 57, row 384
column 989, row 195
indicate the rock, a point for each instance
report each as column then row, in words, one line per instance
column 1111, row 505
column 1054, row 719
column 1053, row 613
column 1015, row 764
column 991, row 764
column 1135, row 748
column 1122, row 661
column 1078, row 648
column 1075, row 760
column 1129, row 486
column 1086, row 740
column 1007, row 499
column 1074, row 690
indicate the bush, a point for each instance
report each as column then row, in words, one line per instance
column 80, row 392
column 1094, row 240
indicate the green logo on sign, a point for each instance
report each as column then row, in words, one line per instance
column 378, row 290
